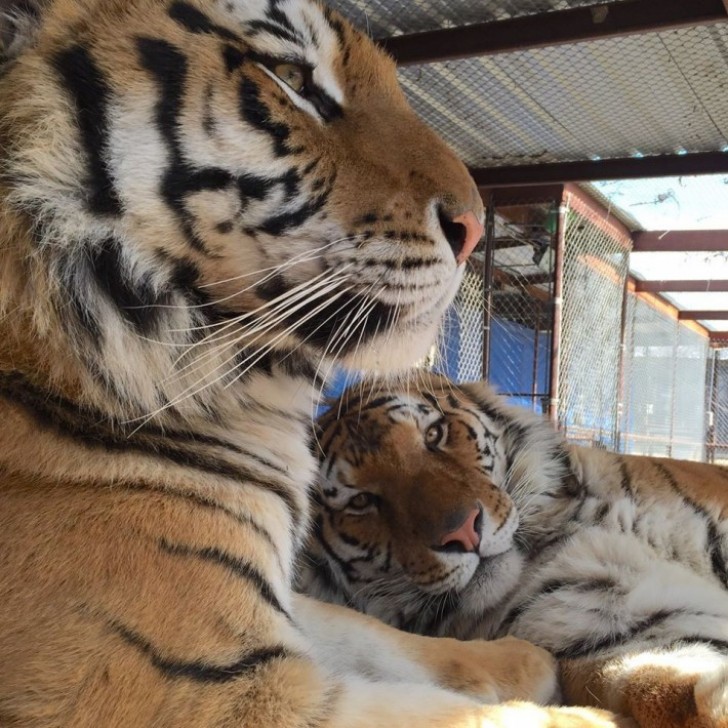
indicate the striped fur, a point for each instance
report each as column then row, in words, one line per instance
column 615, row 564
column 202, row 206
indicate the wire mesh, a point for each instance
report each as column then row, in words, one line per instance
column 517, row 298
column 620, row 97
column 717, row 439
column 463, row 331
column 689, row 399
column 382, row 18
column 647, row 426
column 520, row 302
column 595, row 268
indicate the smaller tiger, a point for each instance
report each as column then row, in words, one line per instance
column 444, row 511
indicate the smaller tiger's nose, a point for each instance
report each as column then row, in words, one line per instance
column 462, row 232
column 467, row 536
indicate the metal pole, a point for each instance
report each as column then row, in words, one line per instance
column 621, row 379
column 534, row 374
column 554, row 382
column 488, row 282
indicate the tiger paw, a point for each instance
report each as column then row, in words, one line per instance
column 500, row 670
column 520, row 715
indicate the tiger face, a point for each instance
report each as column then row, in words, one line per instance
column 253, row 167
column 410, row 506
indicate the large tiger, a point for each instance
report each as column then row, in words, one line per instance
column 202, row 205
column 444, row 511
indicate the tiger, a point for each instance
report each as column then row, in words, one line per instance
column 204, row 205
column 443, row 510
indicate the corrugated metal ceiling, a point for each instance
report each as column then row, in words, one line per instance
column 646, row 94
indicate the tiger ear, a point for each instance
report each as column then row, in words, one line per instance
column 19, row 22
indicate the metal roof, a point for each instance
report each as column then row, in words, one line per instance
column 646, row 94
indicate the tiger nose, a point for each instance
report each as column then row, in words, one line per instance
column 462, row 232
column 467, row 535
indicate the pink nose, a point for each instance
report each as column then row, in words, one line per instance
column 473, row 233
column 466, row 535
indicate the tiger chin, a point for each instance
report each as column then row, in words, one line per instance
column 443, row 511
column 203, row 205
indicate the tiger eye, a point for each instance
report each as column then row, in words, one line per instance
column 292, row 75
column 360, row 500
column 433, row 435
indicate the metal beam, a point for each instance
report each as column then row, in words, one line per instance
column 703, row 315
column 680, row 241
column 704, row 286
column 663, row 165
column 516, row 196
column 606, row 20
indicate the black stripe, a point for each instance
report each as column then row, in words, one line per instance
column 168, row 66
column 255, row 27
column 257, row 114
column 137, row 301
column 327, row 107
column 326, row 325
column 71, row 419
column 239, row 567
column 345, row 566
column 91, row 93
column 200, row 671
column 198, row 501
column 277, row 23
column 593, row 645
column 336, row 25
column 81, row 305
column 286, row 221
column 233, row 57
column 195, row 21
column 626, row 480
column 718, row 645
column 715, row 541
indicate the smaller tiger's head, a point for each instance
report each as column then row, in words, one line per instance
column 411, row 503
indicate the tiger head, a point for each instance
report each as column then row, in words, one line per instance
column 418, row 507
column 240, row 179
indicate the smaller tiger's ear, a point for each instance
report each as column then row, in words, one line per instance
column 19, row 22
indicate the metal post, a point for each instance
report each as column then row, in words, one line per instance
column 534, row 373
column 488, row 282
column 621, row 378
column 560, row 243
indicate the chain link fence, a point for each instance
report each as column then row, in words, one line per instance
column 596, row 255
column 500, row 325
column 717, row 439
column 632, row 378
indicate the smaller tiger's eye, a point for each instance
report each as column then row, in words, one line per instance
column 434, row 435
column 292, row 75
column 361, row 501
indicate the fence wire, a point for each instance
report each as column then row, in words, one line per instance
column 717, row 441
column 689, row 399
column 595, row 268
column 632, row 377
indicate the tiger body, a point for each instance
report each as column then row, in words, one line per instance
column 202, row 206
column 615, row 564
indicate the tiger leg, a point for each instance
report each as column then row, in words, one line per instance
column 505, row 669
column 423, row 675
column 678, row 687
